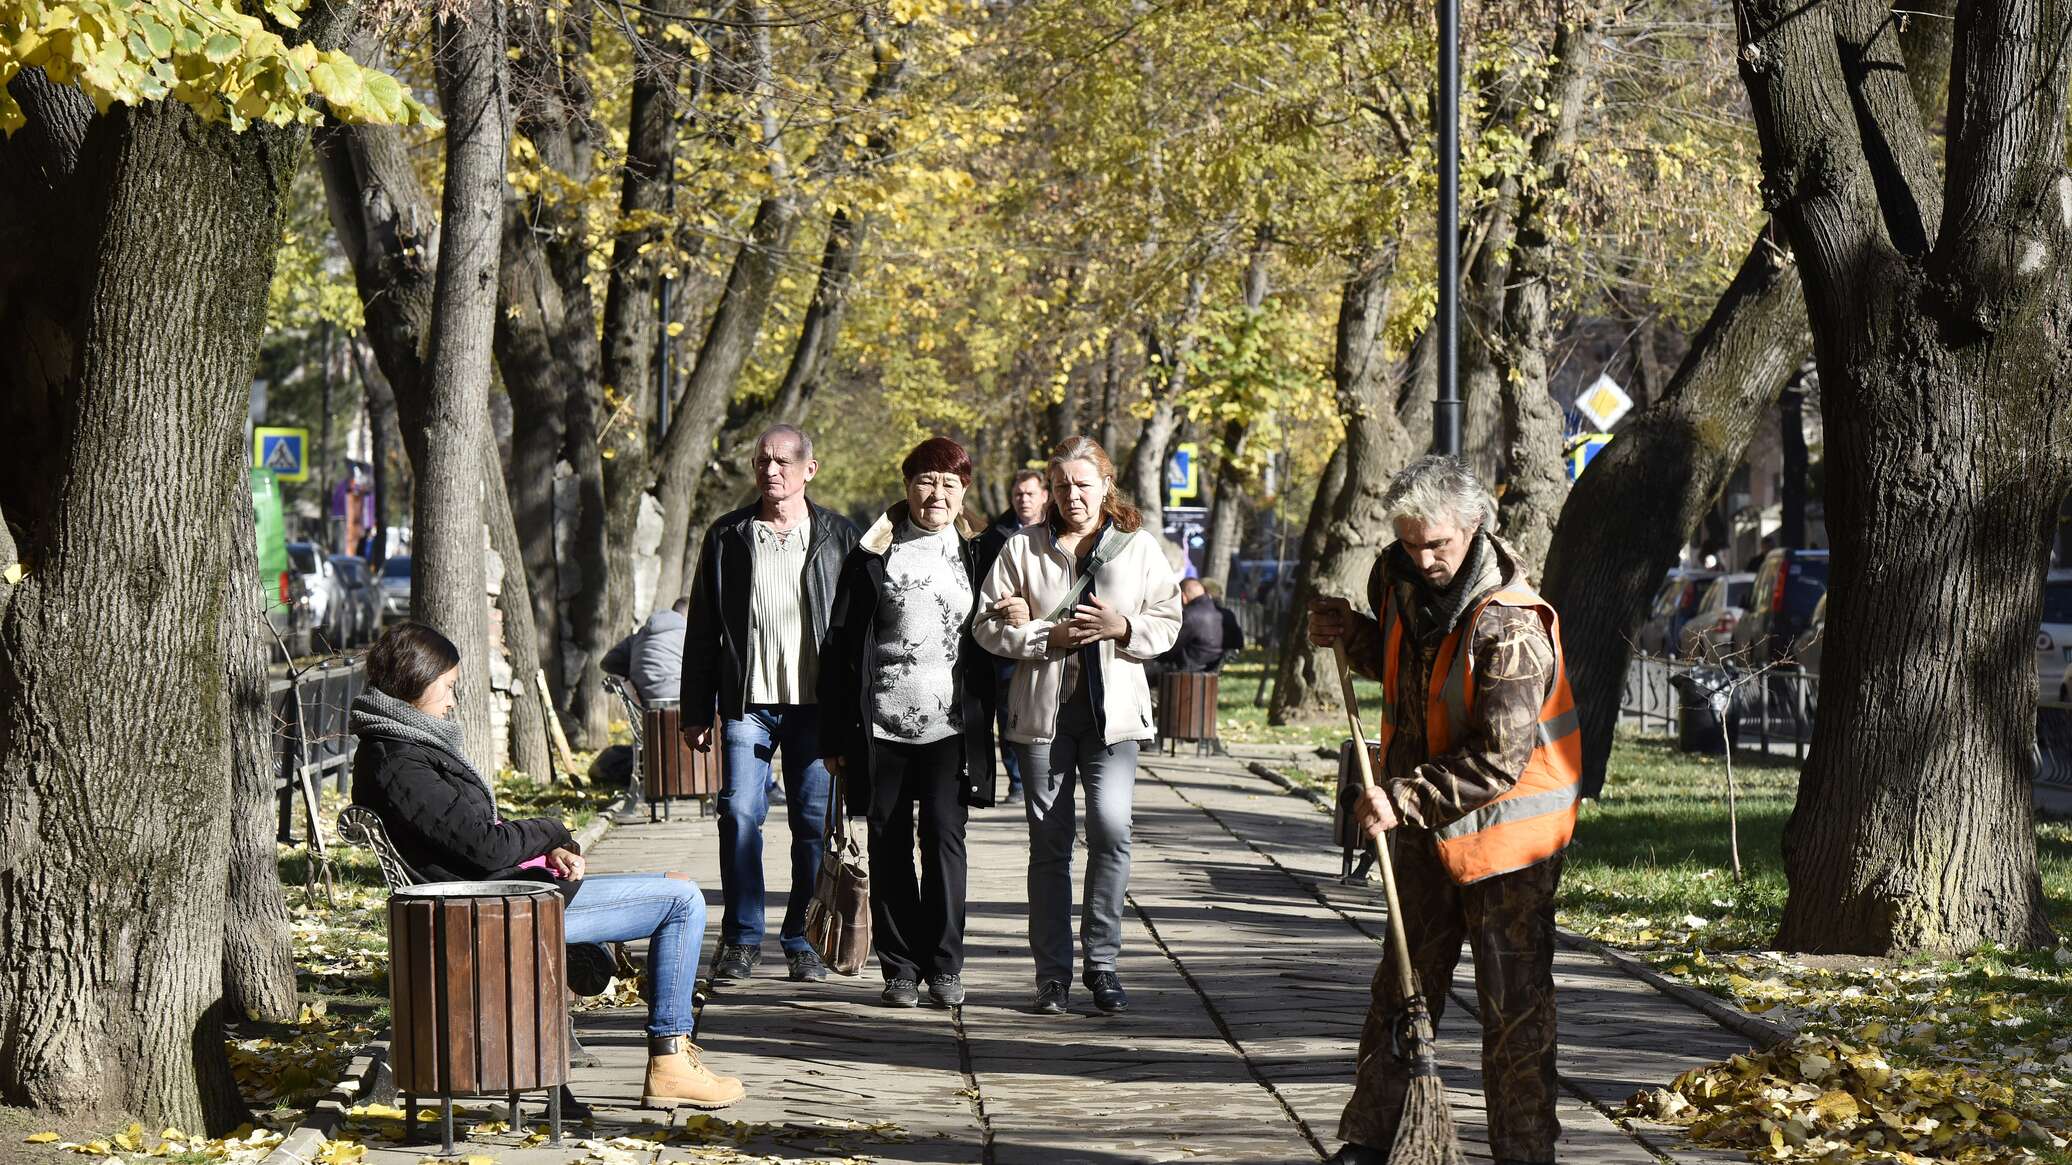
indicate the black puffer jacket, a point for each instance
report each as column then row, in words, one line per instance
column 716, row 642
column 442, row 820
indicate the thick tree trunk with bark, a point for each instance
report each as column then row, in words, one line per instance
column 1626, row 521
column 448, row 589
column 1937, row 310
column 258, row 948
column 1538, row 480
column 1304, row 682
column 1377, row 445
column 138, row 250
column 391, row 461
column 631, row 327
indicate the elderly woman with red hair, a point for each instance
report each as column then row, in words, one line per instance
column 906, row 705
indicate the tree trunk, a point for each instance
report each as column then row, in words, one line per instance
column 258, row 948
column 128, row 328
column 1945, row 378
column 1377, row 445
column 391, row 462
column 535, row 375
column 1143, row 476
column 631, row 328
column 1227, row 520
column 1303, row 685
column 1484, row 442
column 528, row 727
column 1538, row 480
column 1626, row 521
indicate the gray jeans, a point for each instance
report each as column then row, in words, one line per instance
column 1050, row 774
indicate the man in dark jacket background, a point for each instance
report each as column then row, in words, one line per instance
column 760, row 600
column 1200, row 645
column 1026, row 498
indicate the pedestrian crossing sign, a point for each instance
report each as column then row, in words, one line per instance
column 1183, row 474
column 285, row 451
column 1582, row 449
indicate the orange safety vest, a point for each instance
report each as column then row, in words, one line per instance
column 1535, row 818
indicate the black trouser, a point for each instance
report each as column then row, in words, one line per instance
column 917, row 926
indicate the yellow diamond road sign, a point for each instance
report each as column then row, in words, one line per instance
column 1604, row 402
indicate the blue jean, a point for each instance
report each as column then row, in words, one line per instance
column 1009, row 756
column 1053, row 773
column 744, row 802
column 670, row 913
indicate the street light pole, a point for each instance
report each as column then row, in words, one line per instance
column 1446, row 411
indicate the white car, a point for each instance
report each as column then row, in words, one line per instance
column 2054, row 638
column 327, row 600
column 1709, row 633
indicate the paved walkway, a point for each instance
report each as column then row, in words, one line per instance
column 1247, row 964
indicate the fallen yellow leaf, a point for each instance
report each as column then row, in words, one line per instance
column 40, row 1138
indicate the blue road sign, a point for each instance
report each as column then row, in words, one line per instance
column 282, row 450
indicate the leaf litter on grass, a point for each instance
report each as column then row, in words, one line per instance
column 1908, row 1060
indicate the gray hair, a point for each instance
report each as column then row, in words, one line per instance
column 1440, row 488
column 792, row 431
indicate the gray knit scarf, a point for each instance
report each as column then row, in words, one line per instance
column 1434, row 610
column 381, row 716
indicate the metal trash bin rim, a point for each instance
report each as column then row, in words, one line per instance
column 502, row 888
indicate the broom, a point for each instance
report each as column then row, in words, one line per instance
column 1425, row 1134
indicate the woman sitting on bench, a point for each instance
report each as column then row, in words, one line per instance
column 441, row 814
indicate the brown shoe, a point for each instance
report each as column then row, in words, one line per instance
column 677, row 1078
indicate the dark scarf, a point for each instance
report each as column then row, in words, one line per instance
column 381, row 716
column 1432, row 611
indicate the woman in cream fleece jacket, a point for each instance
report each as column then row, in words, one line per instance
column 1079, row 601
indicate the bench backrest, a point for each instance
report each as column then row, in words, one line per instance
column 360, row 825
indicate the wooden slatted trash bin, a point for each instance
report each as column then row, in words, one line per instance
column 670, row 768
column 1187, row 708
column 478, row 995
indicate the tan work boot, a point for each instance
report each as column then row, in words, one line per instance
column 676, row 1078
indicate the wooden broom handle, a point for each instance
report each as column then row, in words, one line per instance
column 1406, row 979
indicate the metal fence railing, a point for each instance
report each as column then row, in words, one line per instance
column 312, row 741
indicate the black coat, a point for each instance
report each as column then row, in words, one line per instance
column 442, row 820
column 1200, row 645
column 716, row 639
column 847, row 676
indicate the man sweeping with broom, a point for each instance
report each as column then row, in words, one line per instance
column 1480, row 757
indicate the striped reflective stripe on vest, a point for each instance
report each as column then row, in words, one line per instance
column 1559, row 727
column 1511, row 809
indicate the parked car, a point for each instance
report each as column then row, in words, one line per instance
column 327, row 602
column 362, row 597
column 1674, row 605
column 395, row 588
column 2054, row 638
column 280, row 584
column 1806, row 648
column 1788, row 586
column 1709, row 632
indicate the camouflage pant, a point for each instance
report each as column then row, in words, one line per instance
column 1508, row 922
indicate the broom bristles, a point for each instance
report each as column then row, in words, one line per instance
column 1425, row 1134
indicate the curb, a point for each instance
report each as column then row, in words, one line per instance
column 368, row 1075
column 1761, row 1032
column 1303, row 791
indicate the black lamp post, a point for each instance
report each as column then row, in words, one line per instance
column 1446, row 411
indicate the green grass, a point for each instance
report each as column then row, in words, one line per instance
column 1242, row 722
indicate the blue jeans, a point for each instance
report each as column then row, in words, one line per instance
column 1009, row 756
column 744, row 802
column 670, row 912
column 1053, row 773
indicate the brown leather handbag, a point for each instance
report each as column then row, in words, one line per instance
column 838, row 920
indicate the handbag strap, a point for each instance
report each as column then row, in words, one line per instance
column 837, row 813
column 1105, row 550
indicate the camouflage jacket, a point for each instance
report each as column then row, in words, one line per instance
column 1513, row 674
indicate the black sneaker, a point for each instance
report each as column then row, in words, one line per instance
column 1351, row 1154
column 1014, row 796
column 1108, row 993
column 946, row 990
column 902, row 993
column 590, row 968
column 1051, row 997
column 735, row 962
column 806, row 967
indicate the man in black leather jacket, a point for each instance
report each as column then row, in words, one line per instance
column 760, row 601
